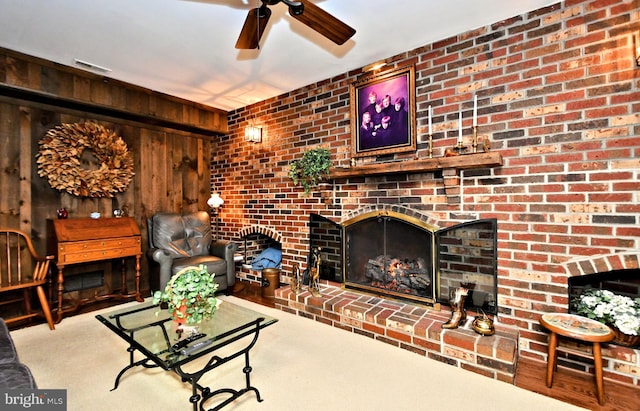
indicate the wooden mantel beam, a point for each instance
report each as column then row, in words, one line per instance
column 462, row 162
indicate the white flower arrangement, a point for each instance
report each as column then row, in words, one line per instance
column 612, row 309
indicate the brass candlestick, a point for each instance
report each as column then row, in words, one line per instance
column 430, row 146
column 475, row 139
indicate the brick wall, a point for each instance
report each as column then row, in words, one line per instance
column 558, row 97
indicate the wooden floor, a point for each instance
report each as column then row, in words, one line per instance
column 568, row 386
column 572, row 387
column 252, row 292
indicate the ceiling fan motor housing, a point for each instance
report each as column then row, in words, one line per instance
column 295, row 7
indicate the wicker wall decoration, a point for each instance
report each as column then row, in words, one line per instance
column 59, row 160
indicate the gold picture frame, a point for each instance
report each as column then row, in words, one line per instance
column 383, row 113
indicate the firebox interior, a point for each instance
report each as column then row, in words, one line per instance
column 391, row 255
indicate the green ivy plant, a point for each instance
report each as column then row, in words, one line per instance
column 190, row 295
column 311, row 169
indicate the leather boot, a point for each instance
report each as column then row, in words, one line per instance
column 459, row 314
column 454, row 321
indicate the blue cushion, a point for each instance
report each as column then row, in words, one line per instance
column 268, row 258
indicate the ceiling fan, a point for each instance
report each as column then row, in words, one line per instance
column 303, row 11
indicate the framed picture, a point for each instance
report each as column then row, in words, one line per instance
column 383, row 113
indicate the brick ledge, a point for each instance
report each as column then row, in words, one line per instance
column 412, row 327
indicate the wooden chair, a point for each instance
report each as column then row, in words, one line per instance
column 22, row 269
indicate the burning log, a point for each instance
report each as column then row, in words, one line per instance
column 375, row 270
column 411, row 277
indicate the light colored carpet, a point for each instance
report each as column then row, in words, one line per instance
column 298, row 364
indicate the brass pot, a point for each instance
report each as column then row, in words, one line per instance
column 483, row 325
column 270, row 281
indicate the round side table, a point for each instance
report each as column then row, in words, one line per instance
column 582, row 329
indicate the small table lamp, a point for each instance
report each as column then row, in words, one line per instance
column 215, row 202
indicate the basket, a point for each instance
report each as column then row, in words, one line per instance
column 625, row 339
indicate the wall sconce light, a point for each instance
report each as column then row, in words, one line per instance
column 253, row 134
column 373, row 66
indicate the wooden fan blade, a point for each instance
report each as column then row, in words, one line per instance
column 253, row 28
column 324, row 23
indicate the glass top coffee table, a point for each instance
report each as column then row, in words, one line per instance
column 163, row 343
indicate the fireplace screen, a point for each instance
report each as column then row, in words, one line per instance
column 391, row 255
column 395, row 255
column 326, row 236
column 467, row 257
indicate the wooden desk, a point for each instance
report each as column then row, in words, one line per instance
column 84, row 240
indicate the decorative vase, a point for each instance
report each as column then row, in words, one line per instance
column 62, row 213
column 625, row 339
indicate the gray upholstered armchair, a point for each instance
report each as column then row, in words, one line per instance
column 177, row 241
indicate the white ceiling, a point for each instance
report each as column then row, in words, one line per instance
column 186, row 48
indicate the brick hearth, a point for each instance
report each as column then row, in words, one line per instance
column 414, row 328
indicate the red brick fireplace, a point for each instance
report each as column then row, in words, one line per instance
column 412, row 321
column 558, row 98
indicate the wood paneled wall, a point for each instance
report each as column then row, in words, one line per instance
column 170, row 140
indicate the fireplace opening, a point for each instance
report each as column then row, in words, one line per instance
column 255, row 249
column 623, row 282
column 396, row 255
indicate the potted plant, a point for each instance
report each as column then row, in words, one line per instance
column 619, row 312
column 311, row 169
column 190, row 295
